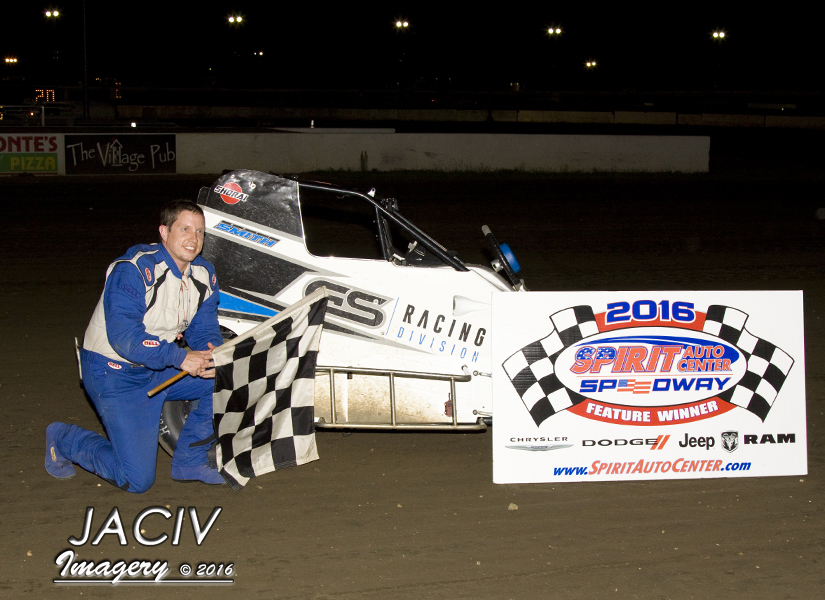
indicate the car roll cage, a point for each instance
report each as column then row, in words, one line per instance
column 387, row 208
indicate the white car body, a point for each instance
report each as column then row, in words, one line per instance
column 405, row 345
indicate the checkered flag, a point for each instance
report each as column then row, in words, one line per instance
column 768, row 366
column 263, row 405
column 531, row 369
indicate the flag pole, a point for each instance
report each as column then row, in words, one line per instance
column 167, row 383
column 175, row 379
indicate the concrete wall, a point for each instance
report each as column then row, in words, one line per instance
column 764, row 117
column 301, row 152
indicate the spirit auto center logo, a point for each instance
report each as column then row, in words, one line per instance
column 649, row 362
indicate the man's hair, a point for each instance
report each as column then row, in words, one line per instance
column 170, row 213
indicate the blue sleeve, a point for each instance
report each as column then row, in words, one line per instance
column 204, row 325
column 124, row 305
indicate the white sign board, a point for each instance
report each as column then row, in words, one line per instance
column 599, row 386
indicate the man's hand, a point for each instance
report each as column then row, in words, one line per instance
column 199, row 363
column 209, row 371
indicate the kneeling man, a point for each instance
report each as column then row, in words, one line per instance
column 154, row 294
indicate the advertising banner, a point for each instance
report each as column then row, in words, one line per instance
column 599, row 386
column 30, row 153
column 120, row 154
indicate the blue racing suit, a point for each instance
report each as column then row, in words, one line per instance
column 129, row 348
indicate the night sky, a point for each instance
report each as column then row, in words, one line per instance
column 461, row 46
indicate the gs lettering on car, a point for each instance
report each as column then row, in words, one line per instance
column 353, row 305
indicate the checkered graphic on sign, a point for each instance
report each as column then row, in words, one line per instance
column 263, row 404
column 531, row 369
column 768, row 366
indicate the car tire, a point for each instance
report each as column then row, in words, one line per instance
column 172, row 419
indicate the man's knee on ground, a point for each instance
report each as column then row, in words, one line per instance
column 140, row 485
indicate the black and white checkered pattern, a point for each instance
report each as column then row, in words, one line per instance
column 531, row 369
column 768, row 366
column 263, row 404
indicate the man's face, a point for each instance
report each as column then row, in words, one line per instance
column 184, row 239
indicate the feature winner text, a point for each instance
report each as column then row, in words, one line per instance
column 634, row 415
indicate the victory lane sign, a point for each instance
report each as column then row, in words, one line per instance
column 609, row 367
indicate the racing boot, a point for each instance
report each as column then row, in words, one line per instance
column 205, row 473
column 57, row 465
column 190, row 462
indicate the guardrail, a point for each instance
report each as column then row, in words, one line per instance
column 41, row 108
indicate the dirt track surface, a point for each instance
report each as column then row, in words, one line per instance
column 417, row 515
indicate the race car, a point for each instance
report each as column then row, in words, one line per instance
column 406, row 342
